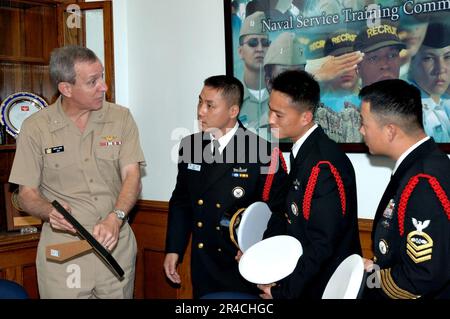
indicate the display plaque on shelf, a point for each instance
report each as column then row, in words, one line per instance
column 17, row 107
column 16, row 218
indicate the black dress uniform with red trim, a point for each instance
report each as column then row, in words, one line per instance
column 206, row 196
column 411, row 232
column 320, row 210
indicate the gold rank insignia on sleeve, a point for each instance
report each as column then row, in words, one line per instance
column 391, row 289
column 419, row 245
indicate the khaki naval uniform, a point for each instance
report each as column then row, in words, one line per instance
column 83, row 170
column 254, row 114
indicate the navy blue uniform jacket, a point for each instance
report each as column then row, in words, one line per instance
column 412, row 249
column 328, row 236
column 206, row 194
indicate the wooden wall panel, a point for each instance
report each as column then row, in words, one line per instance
column 29, row 280
column 365, row 231
column 9, row 26
column 32, row 32
column 155, row 283
column 149, row 221
column 28, row 78
column 17, row 260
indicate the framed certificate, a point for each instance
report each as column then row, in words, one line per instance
column 17, row 107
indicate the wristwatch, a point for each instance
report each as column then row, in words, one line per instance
column 119, row 213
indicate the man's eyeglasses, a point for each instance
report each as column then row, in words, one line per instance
column 253, row 42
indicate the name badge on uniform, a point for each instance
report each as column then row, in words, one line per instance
column 194, row 167
column 55, row 149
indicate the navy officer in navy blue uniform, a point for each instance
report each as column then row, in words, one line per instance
column 319, row 198
column 220, row 170
column 411, row 228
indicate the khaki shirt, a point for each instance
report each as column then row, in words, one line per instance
column 254, row 114
column 81, row 169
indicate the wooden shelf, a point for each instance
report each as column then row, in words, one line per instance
column 7, row 147
column 21, row 59
column 17, row 260
column 14, row 240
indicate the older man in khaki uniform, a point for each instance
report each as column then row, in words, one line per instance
column 85, row 153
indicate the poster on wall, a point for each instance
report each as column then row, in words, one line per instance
column 346, row 45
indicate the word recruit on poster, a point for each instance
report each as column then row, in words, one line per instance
column 371, row 13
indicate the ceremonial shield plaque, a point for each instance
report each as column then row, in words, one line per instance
column 17, row 107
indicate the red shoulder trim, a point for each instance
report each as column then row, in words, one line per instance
column 406, row 194
column 312, row 181
column 277, row 157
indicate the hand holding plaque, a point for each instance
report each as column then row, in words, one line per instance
column 54, row 251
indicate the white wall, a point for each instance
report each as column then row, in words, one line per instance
column 164, row 49
column 94, row 33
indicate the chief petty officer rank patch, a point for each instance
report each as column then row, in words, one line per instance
column 419, row 245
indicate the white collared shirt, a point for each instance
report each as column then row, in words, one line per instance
column 224, row 140
column 407, row 152
column 301, row 140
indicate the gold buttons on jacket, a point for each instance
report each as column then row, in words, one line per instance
column 199, row 224
column 218, row 205
column 200, row 202
column 200, row 245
